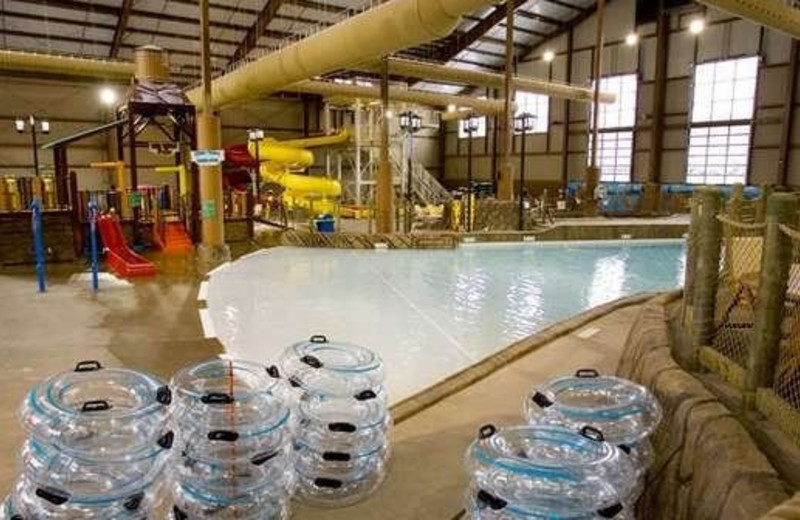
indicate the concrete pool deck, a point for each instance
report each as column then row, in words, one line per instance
column 427, row 480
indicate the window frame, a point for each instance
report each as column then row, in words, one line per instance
column 617, row 130
column 729, row 124
column 522, row 109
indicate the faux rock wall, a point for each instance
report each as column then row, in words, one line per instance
column 707, row 465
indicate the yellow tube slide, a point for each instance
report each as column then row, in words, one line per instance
column 281, row 158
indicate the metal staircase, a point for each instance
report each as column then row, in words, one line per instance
column 364, row 154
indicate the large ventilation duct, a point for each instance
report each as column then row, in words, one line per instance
column 379, row 32
column 769, row 13
column 66, row 65
column 330, row 89
column 423, row 71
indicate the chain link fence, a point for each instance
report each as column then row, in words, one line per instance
column 736, row 300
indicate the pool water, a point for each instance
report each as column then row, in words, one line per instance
column 428, row 313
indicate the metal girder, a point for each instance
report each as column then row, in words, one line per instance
column 122, row 25
column 259, row 27
column 585, row 15
column 539, row 18
column 566, row 5
column 461, row 41
column 517, row 28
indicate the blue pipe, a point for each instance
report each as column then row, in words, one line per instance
column 38, row 244
column 93, row 244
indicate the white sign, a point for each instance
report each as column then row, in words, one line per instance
column 208, row 157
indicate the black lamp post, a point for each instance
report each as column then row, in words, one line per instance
column 256, row 136
column 19, row 125
column 523, row 124
column 471, row 125
column 410, row 124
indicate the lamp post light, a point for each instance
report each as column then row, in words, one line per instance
column 44, row 125
column 523, row 124
column 256, row 136
column 471, row 125
column 410, row 124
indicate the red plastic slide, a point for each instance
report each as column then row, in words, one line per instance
column 120, row 258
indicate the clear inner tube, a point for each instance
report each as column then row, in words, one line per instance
column 482, row 505
column 625, row 412
column 105, row 412
column 319, row 366
column 89, row 481
column 542, row 464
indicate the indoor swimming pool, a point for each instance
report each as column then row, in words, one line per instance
column 428, row 313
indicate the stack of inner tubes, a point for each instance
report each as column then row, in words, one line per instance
column 341, row 445
column 233, row 454
column 97, row 444
column 626, row 413
column 547, row 473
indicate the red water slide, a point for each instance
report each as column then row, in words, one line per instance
column 120, row 258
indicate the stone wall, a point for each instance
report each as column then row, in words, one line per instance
column 707, row 466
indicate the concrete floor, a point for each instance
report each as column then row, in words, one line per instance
column 153, row 325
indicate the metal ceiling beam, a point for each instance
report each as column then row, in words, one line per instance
column 566, row 5
column 111, row 27
column 517, row 28
column 122, row 25
column 461, row 41
column 539, row 18
column 78, row 6
column 575, row 22
column 259, row 27
column 87, row 41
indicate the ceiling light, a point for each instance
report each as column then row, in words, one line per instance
column 451, row 108
column 632, row 39
column 697, row 26
column 108, row 96
column 549, row 56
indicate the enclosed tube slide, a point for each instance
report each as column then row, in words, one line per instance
column 281, row 158
column 381, row 31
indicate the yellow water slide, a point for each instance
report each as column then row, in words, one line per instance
column 281, row 160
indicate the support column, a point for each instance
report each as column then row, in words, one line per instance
column 706, row 276
column 212, row 250
column 567, row 110
column 652, row 191
column 505, row 184
column 384, row 193
column 593, row 171
column 788, row 116
column 775, row 267
column 134, row 168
